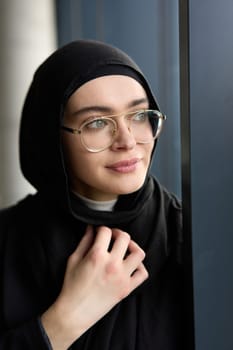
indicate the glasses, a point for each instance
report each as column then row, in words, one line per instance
column 97, row 134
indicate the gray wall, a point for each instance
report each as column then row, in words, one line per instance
column 147, row 31
column 27, row 36
column 207, row 124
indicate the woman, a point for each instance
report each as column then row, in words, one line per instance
column 92, row 260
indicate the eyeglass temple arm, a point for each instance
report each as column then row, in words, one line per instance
column 73, row 131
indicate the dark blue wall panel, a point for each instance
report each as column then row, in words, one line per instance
column 211, row 169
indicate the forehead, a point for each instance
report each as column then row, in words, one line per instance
column 112, row 90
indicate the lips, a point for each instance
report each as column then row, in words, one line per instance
column 125, row 166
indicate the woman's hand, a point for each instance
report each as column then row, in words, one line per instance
column 103, row 270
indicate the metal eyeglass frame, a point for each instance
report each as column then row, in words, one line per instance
column 75, row 131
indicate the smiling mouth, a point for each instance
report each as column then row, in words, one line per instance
column 125, row 166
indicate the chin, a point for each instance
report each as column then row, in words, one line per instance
column 129, row 189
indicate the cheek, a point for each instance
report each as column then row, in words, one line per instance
column 71, row 152
column 78, row 161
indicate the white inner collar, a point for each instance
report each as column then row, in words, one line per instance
column 97, row 205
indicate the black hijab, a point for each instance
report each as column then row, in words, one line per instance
column 54, row 82
column 48, row 226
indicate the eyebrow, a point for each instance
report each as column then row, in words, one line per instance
column 105, row 109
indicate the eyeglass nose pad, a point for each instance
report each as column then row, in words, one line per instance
column 128, row 121
column 114, row 131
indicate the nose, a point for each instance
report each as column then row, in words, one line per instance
column 124, row 139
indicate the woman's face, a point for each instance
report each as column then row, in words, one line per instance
column 122, row 167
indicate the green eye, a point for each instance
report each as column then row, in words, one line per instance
column 140, row 117
column 97, row 124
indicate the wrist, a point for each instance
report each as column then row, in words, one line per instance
column 61, row 330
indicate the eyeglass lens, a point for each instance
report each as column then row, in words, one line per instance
column 99, row 133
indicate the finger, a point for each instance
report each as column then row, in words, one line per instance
column 134, row 258
column 87, row 241
column 84, row 245
column 103, row 238
column 120, row 244
column 139, row 276
column 135, row 248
